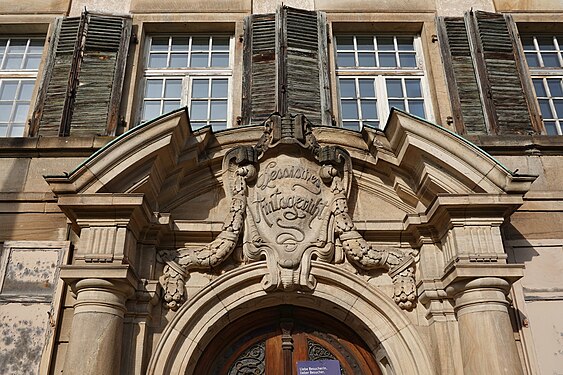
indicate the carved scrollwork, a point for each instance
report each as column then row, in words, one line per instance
column 289, row 211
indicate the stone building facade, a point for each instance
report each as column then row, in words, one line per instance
column 230, row 187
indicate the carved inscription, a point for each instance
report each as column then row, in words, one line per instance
column 290, row 205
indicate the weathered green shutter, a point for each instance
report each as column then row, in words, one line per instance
column 305, row 81
column 285, row 66
column 260, row 73
column 100, row 81
column 462, row 83
column 498, row 73
column 81, row 89
column 56, row 93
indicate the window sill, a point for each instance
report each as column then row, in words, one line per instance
column 519, row 144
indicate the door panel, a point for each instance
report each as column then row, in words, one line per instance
column 272, row 341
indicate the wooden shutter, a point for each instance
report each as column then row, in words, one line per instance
column 56, row 92
column 83, row 78
column 260, row 73
column 305, row 79
column 502, row 90
column 285, row 64
column 460, row 74
column 98, row 93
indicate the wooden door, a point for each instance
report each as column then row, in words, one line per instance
column 272, row 341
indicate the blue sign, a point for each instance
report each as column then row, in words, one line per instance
column 327, row 367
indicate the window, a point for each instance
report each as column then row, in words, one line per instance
column 19, row 62
column 376, row 73
column 544, row 55
column 189, row 70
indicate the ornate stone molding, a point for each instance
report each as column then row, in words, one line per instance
column 288, row 199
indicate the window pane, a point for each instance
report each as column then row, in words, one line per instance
column 367, row 88
column 13, row 61
column 200, row 88
column 151, row 109
column 8, row 90
column 365, row 43
column 366, row 59
column 394, row 88
column 199, row 110
column 345, row 59
column 5, row 111
column 170, row 105
column 173, row 88
column 153, row 88
column 17, row 130
column 158, row 61
column 199, row 60
column 36, row 46
column 219, row 88
column 413, row 88
column 385, row 43
column 545, row 108
column 558, row 103
column 197, row 125
column 408, row 60
column 345, row 43
column 218, row 110
column 17, row 46
column 405, row 43
column 347, row 88
column 220, row 43
column 349, row 109
column 538, row 86
column 369, row 109
column 528, row 43
column 26, row 90
column 219, row 59
column 32, row 62
column 218, row 125
column 416, row 107
column 555, row 87
column 179, row 60
column 550, row 60
column 200, row 44
column 20, row 113
column 353, row 125
column 159, row 44
column 387, row 60
column 550, row 127
column 545, row 43
column 397, row 104
column 3, row 130
column 180, row 44
column 532, row 59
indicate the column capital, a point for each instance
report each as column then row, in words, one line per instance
column 479, row 295
column 100, row 288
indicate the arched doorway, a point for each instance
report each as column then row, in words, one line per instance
column 271, row 341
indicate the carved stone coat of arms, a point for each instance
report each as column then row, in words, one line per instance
column 288, row 205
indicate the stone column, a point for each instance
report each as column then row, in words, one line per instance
column 487, row 339
column 97, row 326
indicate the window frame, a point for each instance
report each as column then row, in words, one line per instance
column 380, row 74
column 188, row 74
column 544, row 73
column 20, row 75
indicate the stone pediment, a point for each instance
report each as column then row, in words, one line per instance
column 286, row 192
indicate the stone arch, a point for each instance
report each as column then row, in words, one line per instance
column 339, row 293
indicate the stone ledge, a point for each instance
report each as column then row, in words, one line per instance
column 51, row 146
column 518, row 144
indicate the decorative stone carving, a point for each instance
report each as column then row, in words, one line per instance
column 289, row 200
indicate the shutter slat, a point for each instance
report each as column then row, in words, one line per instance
column 303, row 70
column 504, row 84
column 101, row 76
column 462, row 82
column 259, row 81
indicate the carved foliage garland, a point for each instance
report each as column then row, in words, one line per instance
column 289, row 200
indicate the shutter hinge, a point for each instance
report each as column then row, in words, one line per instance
column 134, row 39
column 434, row 38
